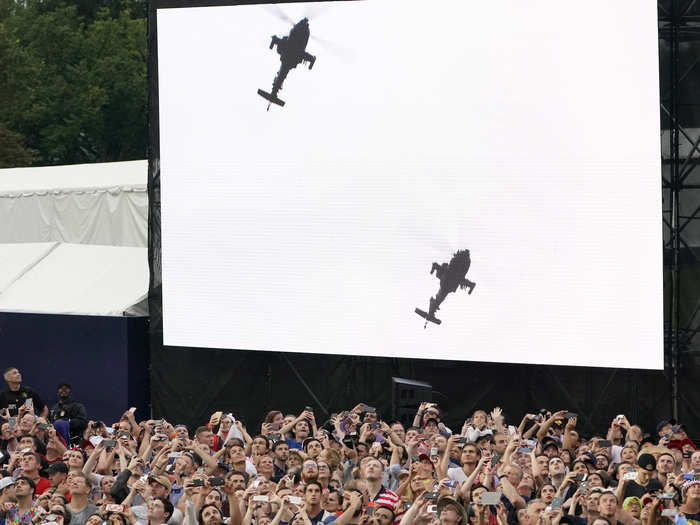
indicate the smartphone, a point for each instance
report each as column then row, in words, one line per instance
column 434, row 495
column 531, row 442
column 373, row 426
column 309, row 409
column 580, row 477
column 43, row 426
column 629, row 476
column 524, row 450
column 434, row 451
column 672, row 513
column 197, row 483
column 369, row 409
column 666, row 495
column 490, row 498
column 275, row 437
column 432, row 508
column 109, row 443
column 570, row 415
column 274, row 426
column 175, row 455
column 495, row 459
column 556, row 503
column 461, row 440
column 689, row 477
column 369, row 510
column 258, row 498
column 604, row 443
column 29, row 403
column 112, row 507
column 216, row 481
column 12, row 422
column 295, row 500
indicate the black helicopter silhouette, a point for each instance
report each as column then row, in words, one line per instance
column 292, row 51
column 452, row 276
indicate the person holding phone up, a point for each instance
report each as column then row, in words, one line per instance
column 18, row 395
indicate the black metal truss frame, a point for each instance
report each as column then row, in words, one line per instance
column 679, row 24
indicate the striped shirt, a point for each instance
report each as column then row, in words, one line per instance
column 387, row 498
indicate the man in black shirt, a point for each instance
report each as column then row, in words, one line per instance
column 68, row 409
column 17, row 394
column 645, row 482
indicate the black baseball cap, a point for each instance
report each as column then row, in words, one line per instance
column 57, row 467
column 647, row 462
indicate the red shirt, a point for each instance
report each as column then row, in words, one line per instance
column 42, row 486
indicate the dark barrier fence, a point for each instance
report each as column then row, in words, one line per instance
column 189, row 384
column 105, row 359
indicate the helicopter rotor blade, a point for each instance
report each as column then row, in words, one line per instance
column 341, row 52
column 313, row 12
column 277, row 12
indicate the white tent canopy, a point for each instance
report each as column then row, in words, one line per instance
column 73, row 239
column 72, row 278
column 86, row 204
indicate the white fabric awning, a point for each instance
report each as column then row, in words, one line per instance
column 72, row 278
column 88, row 204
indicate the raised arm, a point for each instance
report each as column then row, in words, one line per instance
column 542, row 432
column 510, row 492
column 444, row 463
column 568, row 440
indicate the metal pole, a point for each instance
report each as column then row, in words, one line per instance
column 675, row 207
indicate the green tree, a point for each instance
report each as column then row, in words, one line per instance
column 12, row 152
column 75, row 85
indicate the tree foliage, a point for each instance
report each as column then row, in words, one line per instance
column 73, row 78
column 12, row 151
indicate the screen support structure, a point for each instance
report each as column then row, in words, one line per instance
column 679, row 31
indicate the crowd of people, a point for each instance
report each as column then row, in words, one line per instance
column 356, row 468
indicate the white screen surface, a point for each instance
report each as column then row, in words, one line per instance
column 500, row 127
